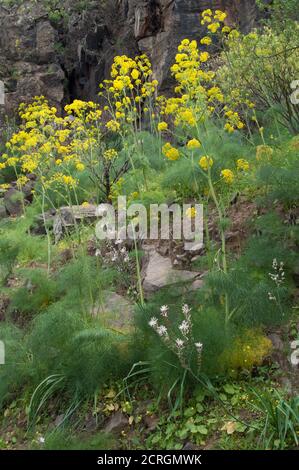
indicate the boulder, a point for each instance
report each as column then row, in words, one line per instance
column 116, row 423
column 115, row 311
column 159, row 272
column 13, row 201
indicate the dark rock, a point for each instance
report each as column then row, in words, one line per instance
column 59, row 420
column 151, row 422
column 67, row 59
column 13, row 201
column 116, row 423
column 190, row 446
column 90, row 423
column 4, row 303
column 277, row 342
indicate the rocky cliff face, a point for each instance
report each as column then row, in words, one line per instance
column 66, row 52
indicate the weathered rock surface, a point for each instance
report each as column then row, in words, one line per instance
column 14, row 199
column 29, row 64
column 64, row 219
column 68, row 55
column 115, row 311
column 116, row 423
column 159, row 272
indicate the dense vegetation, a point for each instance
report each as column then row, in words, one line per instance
column 192, row 365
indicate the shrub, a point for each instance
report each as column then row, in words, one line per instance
column 261, row 67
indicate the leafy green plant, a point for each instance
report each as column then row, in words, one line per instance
column 281, row 419
column 265, row 54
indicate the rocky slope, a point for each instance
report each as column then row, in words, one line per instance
column 64, row 49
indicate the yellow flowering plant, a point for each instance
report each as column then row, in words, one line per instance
column 199, row 95
column 130, row 96
column 58, row 149
column 129, row 93
column 198, row 99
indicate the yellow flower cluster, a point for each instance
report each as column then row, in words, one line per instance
column 228, row 176
column 193, row 144
column 162, row 126
column 110, row 154
column 242, row 164
column 264, row 152
column 47, row 142
column 170, row 152
column 79, row 108
column 113, row 125
column 129, row 90
column 233, row 121
column 62, row 180
column 206, row 162
column 188, row 69
column 213, row 20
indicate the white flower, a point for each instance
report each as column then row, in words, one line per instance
column 199, row 347
column 153, row 322
column 186, row 309
column 164, row 310
column 98, row 252
column 179, row 343
column 41, row 440
column 184, row 327
column 162, row 330
column 271, row 296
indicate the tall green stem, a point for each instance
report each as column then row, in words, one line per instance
column 223, row 243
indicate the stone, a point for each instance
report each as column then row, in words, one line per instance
column 46, row 36
column 13, row 201
column 190, row 446
column 66, row 218
column 277, row 342
column 116, row 423
column 159, row 273
column 151, row 422
column 115, row 311
column 4, row 303
column 197, row 284
column 59, row 420
column 28, row 47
